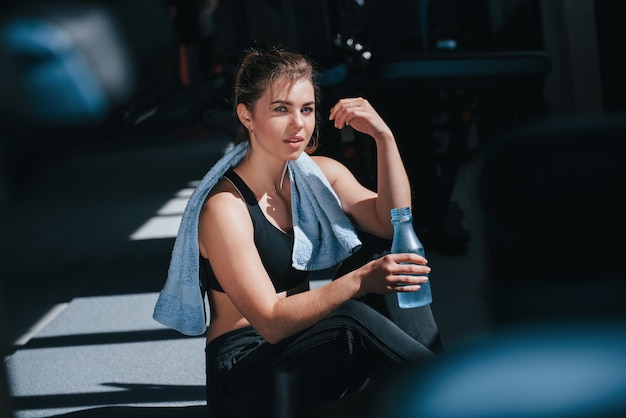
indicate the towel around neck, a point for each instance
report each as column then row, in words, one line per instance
column 323, row 237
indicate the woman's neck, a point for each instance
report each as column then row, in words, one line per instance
column 264, row 175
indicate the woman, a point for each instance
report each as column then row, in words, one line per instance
column 270, row 335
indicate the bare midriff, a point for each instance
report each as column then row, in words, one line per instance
column 226, row 317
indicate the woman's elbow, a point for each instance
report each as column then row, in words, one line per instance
column 269, row 328
column 383, row 230
column 271, row 334
column 386, row 233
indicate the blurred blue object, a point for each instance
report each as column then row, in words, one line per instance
column 55, row 76
column 64, row 65
column 567, row 369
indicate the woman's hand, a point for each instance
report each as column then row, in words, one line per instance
column 393, row 273
column 360, row 115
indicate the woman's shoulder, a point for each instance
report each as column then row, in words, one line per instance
column 224, row 217
column 331, row 168
column 322, row 160
column 223, row 197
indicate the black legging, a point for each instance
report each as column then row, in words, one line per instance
column 338, row 356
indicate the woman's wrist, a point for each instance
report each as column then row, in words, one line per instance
column 384, row 136
column 356, row 279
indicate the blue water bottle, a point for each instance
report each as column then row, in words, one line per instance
column 405, row 241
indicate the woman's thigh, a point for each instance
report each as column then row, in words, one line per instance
column 335, row 357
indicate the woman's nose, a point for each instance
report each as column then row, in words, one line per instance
column 298, row 119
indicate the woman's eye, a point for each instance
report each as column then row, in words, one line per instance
column 281, row 109
column 308, row 110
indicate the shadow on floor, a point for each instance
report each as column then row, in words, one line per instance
column 140, row 412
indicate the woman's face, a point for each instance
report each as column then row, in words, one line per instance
column 283, row 119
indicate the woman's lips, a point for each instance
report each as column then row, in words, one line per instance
column 294, row 142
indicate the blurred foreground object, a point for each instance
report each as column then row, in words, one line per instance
column 562, row 369
column 62, row 64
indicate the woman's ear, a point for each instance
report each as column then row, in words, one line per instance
column 244, row 115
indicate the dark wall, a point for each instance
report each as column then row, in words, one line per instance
column 612, row 53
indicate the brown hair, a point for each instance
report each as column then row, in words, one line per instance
column 260, row 68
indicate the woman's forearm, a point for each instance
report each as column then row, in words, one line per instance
column 300, row 311
column 394, row 189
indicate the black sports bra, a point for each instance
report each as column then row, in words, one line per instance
column 274, row 246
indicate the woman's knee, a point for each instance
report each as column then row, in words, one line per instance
column 357, row 310
column 354, row 313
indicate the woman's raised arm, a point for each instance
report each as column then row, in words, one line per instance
column 369, row 210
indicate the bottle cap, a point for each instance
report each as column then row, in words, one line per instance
column 400, row 213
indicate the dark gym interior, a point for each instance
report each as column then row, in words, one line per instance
column 510, row 117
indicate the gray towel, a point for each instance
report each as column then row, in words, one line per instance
column 323, row 237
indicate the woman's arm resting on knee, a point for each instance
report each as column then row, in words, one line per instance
column 226, row 239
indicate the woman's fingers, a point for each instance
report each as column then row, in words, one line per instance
column 404, row 272
column 407, row 258
column 345, row 110
column 359, row 114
